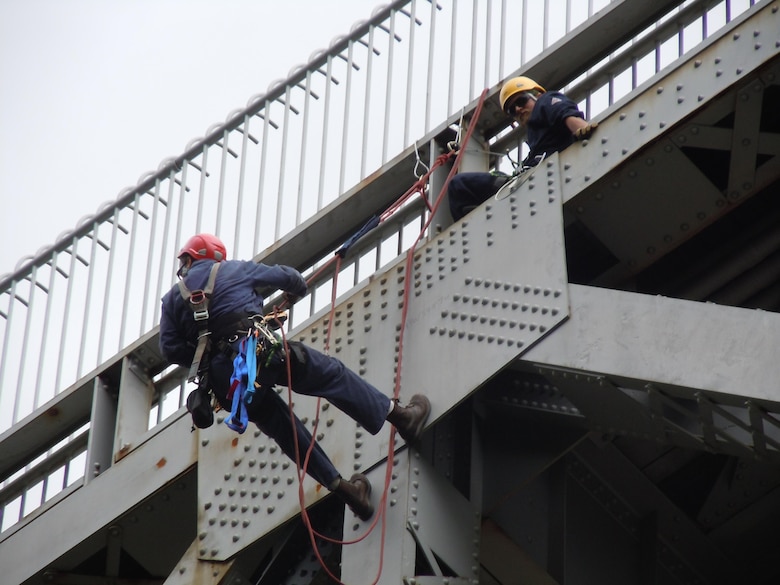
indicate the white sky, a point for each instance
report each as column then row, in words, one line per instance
column 96, row 93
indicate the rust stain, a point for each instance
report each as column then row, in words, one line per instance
column 124, row 450
column 53, row 412
column 234, row 442
column 161, row 463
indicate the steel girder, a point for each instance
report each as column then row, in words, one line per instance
column 617, row 184
column 466, row 305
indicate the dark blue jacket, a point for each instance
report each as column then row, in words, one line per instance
column 547, row 131
column 236, row 291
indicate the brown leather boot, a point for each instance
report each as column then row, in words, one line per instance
column 409, row 420
column 356, row 493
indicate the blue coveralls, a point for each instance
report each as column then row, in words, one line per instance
column 546, row 133
column 236, row 293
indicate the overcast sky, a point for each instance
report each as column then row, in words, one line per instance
column 96, row 93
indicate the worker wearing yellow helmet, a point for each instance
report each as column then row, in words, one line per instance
column 552, row 122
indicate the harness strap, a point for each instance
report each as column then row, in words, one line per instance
column 199, row 303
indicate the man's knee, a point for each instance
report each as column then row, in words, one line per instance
column 262, row 407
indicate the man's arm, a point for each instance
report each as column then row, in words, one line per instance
column 284, row 278
column 580, row 128
column 173, row 344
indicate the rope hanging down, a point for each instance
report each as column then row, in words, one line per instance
column 418, row 187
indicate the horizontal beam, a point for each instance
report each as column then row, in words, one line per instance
column 672, row 342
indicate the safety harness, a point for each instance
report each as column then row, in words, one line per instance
column 198, row 301
column 261, row 349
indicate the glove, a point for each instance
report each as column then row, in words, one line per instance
column 585, row 132
column 291, row 298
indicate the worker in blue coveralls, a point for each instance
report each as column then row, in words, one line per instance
column 234, row 300
column 552, row 122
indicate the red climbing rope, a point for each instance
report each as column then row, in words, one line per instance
column 417, row 188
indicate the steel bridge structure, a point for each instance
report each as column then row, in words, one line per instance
column 600, row 347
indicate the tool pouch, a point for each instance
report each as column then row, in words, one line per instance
column 199, row 407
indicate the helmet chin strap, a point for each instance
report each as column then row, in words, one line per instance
column 184, row 266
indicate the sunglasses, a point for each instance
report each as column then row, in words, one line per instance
column 516, row 102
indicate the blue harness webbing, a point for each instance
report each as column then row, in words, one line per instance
column 242, row 383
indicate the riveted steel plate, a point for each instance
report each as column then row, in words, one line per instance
column 672, row 96
column 470, row 311
column 247, row 486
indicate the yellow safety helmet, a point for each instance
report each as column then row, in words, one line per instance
column 517, row 85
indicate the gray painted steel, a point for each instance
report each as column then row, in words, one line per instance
column 564, row 414
column 467, row 306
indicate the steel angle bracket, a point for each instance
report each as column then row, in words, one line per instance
column 191, row 569
column 607, row 407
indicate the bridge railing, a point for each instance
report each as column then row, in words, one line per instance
column 269, row 169
column 265, row 170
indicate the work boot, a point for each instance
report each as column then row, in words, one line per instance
column 356, row 493
column 409, row 420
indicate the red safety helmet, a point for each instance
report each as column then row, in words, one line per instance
column 204, row 246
